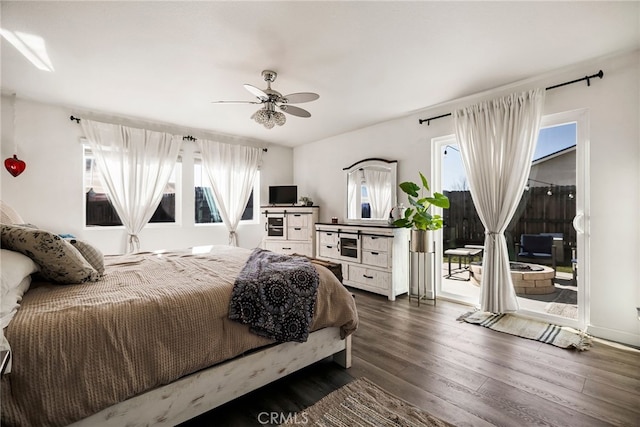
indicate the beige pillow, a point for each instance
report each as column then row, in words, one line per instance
column 8, row 215
column 58, row 260
column 90, row 253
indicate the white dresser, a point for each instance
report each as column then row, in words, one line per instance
column 290, row 229
column 374, row 258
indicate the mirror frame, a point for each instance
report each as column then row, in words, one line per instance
column 392, row 165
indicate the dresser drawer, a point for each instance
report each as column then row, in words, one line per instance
column 298, row 233
column 376, row 243
column 376, row 258
column 328, row 237
column 369, row 277
column 329, row 251
column 289, row 248
column 298, row 220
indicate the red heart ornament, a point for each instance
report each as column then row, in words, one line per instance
column 15, row 166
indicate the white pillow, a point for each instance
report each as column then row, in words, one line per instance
column 9, row 307
column 16, row 270
column 14, row 267
column 8, row 215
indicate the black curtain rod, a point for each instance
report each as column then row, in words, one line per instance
column 187, row 137
column 599, row 74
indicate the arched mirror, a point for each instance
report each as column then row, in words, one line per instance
column 370, row 189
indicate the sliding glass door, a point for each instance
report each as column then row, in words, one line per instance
column 547, row 238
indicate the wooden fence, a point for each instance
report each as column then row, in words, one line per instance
column 100, row 211
column 537, row 213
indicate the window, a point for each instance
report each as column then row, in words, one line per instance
column 206, row 211
column 98, row 208
column 364, row 201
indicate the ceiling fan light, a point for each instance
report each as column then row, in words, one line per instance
column 269, row 124
column 260, row 116
column 279, row 118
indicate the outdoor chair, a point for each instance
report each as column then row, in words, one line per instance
column 536, row 249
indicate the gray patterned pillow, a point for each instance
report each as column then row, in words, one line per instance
column 59, row 261
column 92, row 254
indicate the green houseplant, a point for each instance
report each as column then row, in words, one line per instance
column 417, row 215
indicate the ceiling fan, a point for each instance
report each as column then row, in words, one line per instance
column 268, row 116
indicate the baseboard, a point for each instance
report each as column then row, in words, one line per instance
column 615, row 336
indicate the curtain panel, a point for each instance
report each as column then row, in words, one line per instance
column 497, row 140
column 378, row 184
column 135, row 166
column 353, row 186
column 232, row 172
column 211, row 202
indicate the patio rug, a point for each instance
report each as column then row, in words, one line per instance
column 569, row 311
column 560, row 336
column 363, row 403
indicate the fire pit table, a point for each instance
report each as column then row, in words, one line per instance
column 528, row 279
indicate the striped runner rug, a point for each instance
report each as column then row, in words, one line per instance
column 560, row 336
column 362, row 403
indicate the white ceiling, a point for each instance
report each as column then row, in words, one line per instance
column 369, row 61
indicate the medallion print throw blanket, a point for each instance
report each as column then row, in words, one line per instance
column 275, row 295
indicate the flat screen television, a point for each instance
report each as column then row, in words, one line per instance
column 283, row 194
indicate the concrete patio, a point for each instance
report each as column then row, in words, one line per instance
column 557, row 302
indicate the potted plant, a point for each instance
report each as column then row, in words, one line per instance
column 417, row 215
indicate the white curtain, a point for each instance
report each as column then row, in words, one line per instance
column 354, row 181
column 378, row 184
column 211, row 202
column 232, row 171
column 135, row 166
column 497, row 139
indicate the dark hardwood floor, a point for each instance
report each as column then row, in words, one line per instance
column 465, row 374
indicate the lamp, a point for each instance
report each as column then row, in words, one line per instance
column 449, row 146
column 549, row 185
column 268, row 116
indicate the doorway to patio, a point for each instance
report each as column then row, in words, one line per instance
column 546, row 238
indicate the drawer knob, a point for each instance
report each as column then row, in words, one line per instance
column 367, row 277
column 374, row 253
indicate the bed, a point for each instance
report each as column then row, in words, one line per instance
column 149, row 342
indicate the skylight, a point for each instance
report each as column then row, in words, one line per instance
column 31, row 47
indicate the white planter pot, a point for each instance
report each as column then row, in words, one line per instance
column 422, row 241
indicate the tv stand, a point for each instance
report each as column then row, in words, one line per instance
column 290, row 229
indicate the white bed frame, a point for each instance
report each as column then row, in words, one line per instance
column 207, row 389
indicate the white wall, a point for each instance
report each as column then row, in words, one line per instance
column 50, row 192
column 614, row 112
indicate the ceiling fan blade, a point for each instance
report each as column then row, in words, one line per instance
column 295, row 111
column 236, row 102
column 300, row 97
column 258, row 93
